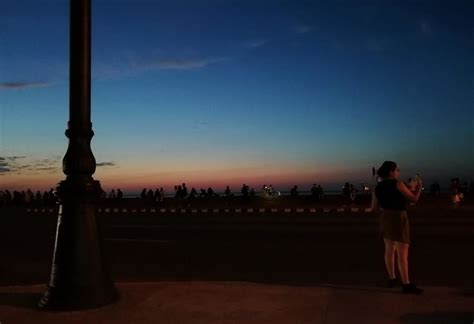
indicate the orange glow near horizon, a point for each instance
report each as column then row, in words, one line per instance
column 281, row 176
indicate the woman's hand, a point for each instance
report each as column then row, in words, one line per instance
column 419, row 185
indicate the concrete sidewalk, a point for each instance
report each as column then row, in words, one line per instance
column 241, row 302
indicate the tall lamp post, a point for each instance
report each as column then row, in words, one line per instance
column 79, row 274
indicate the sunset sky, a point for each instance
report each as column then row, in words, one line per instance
column 223, row 92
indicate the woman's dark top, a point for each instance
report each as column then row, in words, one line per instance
column 389, row 196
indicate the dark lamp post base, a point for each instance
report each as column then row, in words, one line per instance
column 56, row 300
column 79, row 275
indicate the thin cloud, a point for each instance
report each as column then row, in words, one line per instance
column 303, row 29
column 378, row 44
column 105, row 164
column 46, row 168
column 12, row 158
column 425, row 27
column 256, row 44
column 23, row 85
column 181, row 64
column 4, row 167
column 131, row 66
column 25, row 165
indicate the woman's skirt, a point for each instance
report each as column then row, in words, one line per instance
column 394, row 225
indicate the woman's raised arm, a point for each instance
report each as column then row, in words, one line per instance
column 413, row 197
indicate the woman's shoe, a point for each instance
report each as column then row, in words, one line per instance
column 411, row 289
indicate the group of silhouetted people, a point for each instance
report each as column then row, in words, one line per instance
column 27, row 198
column 113, row 195
column 352, row 194
column 152, row 196
column 317, row 192
column 458, row 190
column 20, row 198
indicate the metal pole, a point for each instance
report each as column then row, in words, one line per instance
column 79, row 275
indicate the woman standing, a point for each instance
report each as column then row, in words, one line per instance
column 390, row 197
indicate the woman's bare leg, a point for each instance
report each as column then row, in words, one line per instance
column 390, row 257
column 402, row 254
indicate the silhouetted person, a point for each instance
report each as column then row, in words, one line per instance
column 271, row 191
column 457, row 197
column 366, row 188
column 210, row 192
column 314, row 191
column 179, row 192
column 22, row 197
column 392, row 195
column 51, row 197
column 227, row 191
column 346, row 190
column 162, row 195
column 9, row 198
column 156, row 195
column 29, row 197
column 184, row 191
column 203, row 193
column 143, row 194
column 352, row 193
column 149, row 196
column 102, row 194
column 16, row 198
column 38, row 197
column 454, row 184
column 192, row 194
column 112, row 194
column 294, row 191
column 252, row 192
column 119, row 194
column 45, row 198
column 320, row 192
column 245, row 190
column 435, row 189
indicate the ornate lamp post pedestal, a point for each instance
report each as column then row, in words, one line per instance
column 79, row 275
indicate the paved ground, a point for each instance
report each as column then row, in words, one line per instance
column 336, row 248
column 241, row 302
column 319, row 268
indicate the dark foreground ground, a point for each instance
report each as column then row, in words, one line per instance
column 291, row 248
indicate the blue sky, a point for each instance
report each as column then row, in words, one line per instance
column 215, row 92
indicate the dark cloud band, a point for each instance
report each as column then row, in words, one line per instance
column 22, row 85
column 105, row 164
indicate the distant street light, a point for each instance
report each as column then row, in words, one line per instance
column 79, row 274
